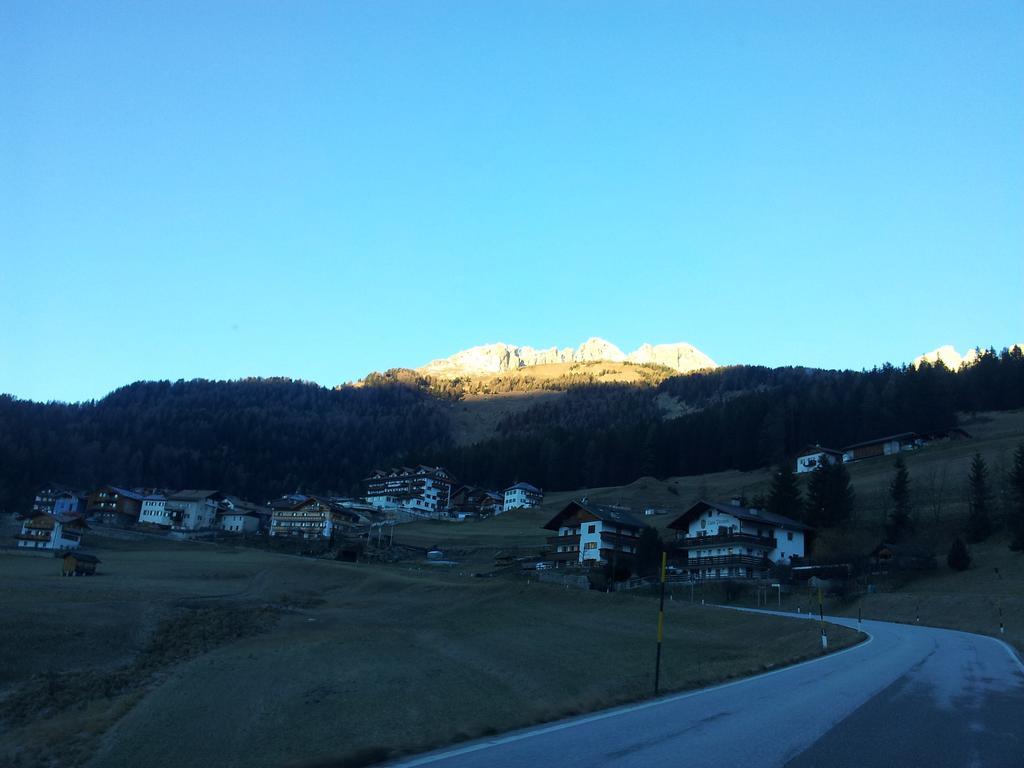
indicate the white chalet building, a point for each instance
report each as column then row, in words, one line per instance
column 521, row 496
column 423, row 489
column 311, row 517
column 592, row 534
column 154, row 510
column 730, row 541
column 46, row 531
column 239, row 516
column 192, row 510
column 814, row 456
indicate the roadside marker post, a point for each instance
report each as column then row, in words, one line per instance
column 821, row 615
column 661, row 625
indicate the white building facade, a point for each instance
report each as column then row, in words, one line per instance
column 311, row 518
column 422, row 489
column 154, row 510
column 729, row 541
column 193, row 510
column 815, row 456
column 239, row 516
column 521, row 496
column 57, row 532
column 591, row 534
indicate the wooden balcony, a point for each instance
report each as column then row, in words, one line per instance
column 618, row 539
column 614, row 552
column 28, row 536
column 564, row 540
column 562, row 557
column 728, row 561
column 722, row 539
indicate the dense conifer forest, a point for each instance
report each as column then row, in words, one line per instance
column 259, row 438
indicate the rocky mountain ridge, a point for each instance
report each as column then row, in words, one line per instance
column 500, row 358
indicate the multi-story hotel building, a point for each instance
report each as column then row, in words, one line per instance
column 111, row 505
column 423, row 489
column 56, row 499
column 310, row 517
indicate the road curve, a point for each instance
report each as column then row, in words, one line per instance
column 908, row 696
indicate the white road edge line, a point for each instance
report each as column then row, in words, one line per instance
column 583, row 720
column 1009, row 649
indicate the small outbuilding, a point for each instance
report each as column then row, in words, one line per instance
column 79, row 564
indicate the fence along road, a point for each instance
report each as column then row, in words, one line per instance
column 909, row 695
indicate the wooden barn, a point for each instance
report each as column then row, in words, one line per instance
column 79, row 564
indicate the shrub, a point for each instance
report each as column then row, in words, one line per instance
column 959, row 559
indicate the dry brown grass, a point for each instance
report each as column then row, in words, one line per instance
column 245, row 656
column 974, row 600
column 938, row 478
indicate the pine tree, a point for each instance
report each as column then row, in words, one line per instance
column 648, row 553
column 900, row 521
column 1015, row 513
column 829, row 495
column 979, row 522
column 843, row 497
column 784, row 497
column 816, row 506
column 959, row 559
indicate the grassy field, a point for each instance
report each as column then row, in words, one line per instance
column 975, row 600
column 970, row 601
column 938, row 477
column 193, row 655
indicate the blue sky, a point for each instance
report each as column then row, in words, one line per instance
column 318, row 190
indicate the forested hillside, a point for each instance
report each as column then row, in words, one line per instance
column 262, row 437
column 257, row 437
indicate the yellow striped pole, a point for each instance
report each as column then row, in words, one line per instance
column 661, row 624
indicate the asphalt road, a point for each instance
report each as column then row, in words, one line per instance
column 909, row 696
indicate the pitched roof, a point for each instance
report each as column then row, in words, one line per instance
column 57, row 487
column 191, row 495
column 243, row 507
column 900, row 436
column 125, row 492
column 290, row 501
column 525, row 487
column 67, row 518
column 84, row 557
column 403, row 472
column 603, row 512
column 748, row 514
column 811, row 449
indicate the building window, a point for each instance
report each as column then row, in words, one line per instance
column 789, row 535
column 590, row 545
column 591, row 529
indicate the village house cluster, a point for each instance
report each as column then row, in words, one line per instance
column 60, row 515
column 712, row 540
column 433, row 492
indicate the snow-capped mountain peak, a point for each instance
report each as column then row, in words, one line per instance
column 500, row 357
